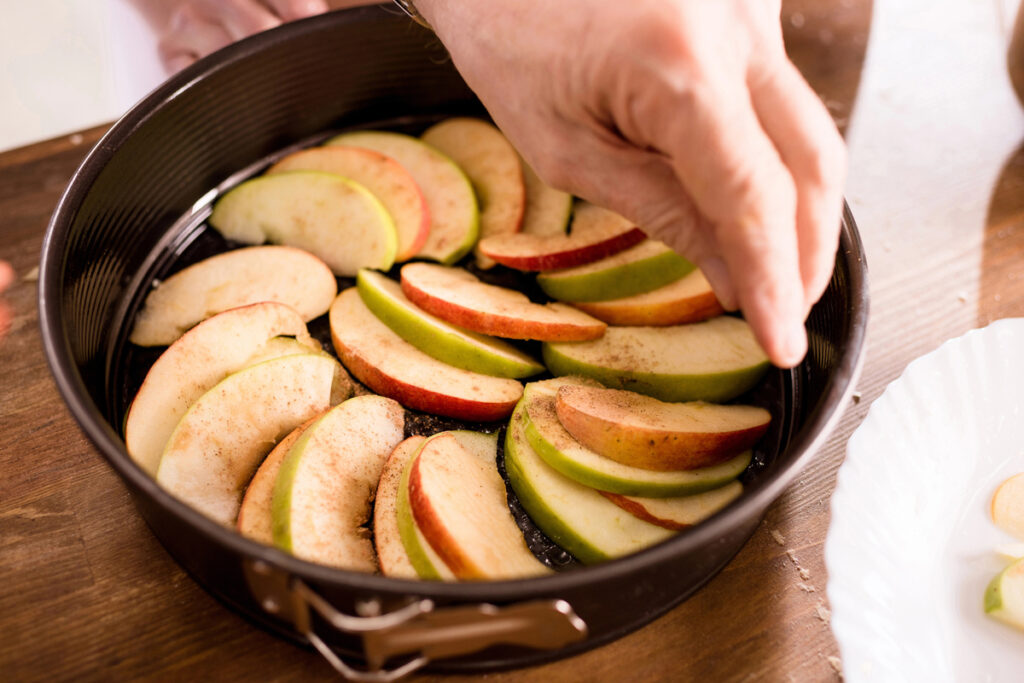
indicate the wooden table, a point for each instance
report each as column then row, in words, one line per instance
column 88, row 591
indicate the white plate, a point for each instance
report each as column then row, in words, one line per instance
column 911, row 547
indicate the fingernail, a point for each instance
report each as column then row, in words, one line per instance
column 793, row 347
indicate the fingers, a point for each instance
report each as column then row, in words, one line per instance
column 289, row 10
column 6, row 276
column 188, row 37
column 6, row 315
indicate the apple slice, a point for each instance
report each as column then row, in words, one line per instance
column 235, row 278
column 454, row 217
column 561, row 451
column 689, row 299
column 383, row 176
column 393, row 367
column 641, row 268
column 595, row 233
column 220, row 441
column 323, row 490
column 435, row 337
column 641, row 431
column 255, row 520
column 576, row 517
column 1008, row 506
column 1004, row 597
column 337, row 220
column 547, row 211
column 456, row 295
column 460, row 505
column 203, row 356
column 715, row 360
column 678, row 513
column 493, row 168
column 392, row 556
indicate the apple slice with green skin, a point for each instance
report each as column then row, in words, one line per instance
column 715, row 360
column 689, row 299
column 454, row 215
column 387, row 536
column 594, row 234
column 220, row 441
column 456, row 295
column 1004, row 597
column 493, row 168
column 459, row 503
column 324, row 487
column 199, row 359
column 641, row 268
column 381, row 175
column 438, row 338
column 560, row 450
column 576, row 517
column 642, row 431
column 678, row 513
column 547, row 211
column 1008, row 506
column 331, row 217
column 235, row 278
column 393, row 367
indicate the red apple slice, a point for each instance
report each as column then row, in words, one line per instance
column 493, row 167
column 687, row 300
column 641, row 431
column 459, row 502
column 678, row 513
column 457, row 296
column 595, row 233
column 235, row 278
column 387, row 536
column 383, row 176
column 393, row 367
column 547, row 210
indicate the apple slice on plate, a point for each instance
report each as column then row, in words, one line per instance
column 689, row 299
column 594, row 234
column 454, row 216
column 547, row 211
column 681, row 512
column 324, row 487
column 381, row 175
column 1008, row 506
column 203, row 356
column 641, row 431
column 1004, row 597
column 393, row 367
column 641, row 268
column 235, row 278
column 576, row 517
column 332, row 217
column 560, row 450
column 459, row 503
column 493, row 167
column 217, row 445
column 456, row 295
column 715, row 360
column 438, row 338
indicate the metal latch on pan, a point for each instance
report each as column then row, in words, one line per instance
column 417, row 629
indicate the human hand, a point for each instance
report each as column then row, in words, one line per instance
column 687, row 117
column 6, row 315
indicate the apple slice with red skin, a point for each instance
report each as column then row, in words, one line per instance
column 392, row 556
column 456, row 295
column 678, row 513
column 547, row 210
column 381, row 175
column 460, row 504
column 393, row 367
column 493, row 168
column 594, row 234
column 689, row 299
column 642, row 431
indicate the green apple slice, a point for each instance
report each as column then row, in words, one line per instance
column 641, row 268
column 716, row 360
column 332, row 217
column 576, row 517
column 454, row 216
column 438, row 338
column 1004, row 597
column 680, row 512
column 549, row 438
column 217, row 445
column 380, row 174
column 689, row 299
column 323, row 489
column 547, row 210
column 392, row 556
column 235, row 278
column 203, row 356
